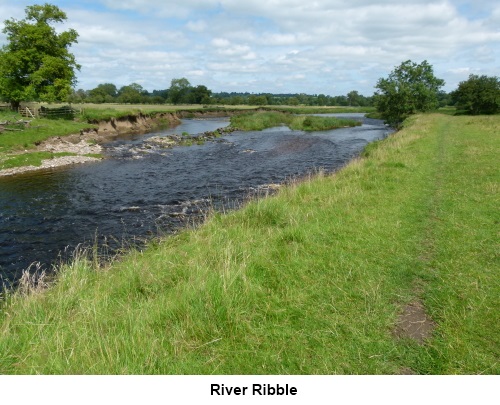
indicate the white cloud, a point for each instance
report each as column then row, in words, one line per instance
column 220, row 42
column 197, row 26
column 285, row 45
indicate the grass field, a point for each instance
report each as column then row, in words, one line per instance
column 310, row 281
column 107, row 111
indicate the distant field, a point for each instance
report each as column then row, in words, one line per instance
column 154, row 107
column 111, row 110
column 180, row 107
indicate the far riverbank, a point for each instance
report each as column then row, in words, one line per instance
column 36, row 148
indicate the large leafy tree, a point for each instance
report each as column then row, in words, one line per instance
column 36, row 63
column 103, row 93
column 179, row 90
column 478, row 95
column 133, row 94
column 200, row 95
column 410, row 88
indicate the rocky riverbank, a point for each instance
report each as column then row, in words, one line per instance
column 186, row 140
column 84, row 146
column 49, row 164
column 89, row 141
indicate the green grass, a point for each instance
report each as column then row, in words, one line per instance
column 257, row 121
column 320, row 110
column 98, row 112
column 29, row 159
column 39, row 130
column 309, row 281
column 106, row 111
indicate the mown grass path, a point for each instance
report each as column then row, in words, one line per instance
column 310, row 281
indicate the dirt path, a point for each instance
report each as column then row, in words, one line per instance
column 414, row 321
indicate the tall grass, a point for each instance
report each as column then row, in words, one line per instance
column 309, row 281
column 257, row 121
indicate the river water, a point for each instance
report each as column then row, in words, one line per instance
column 139, row 192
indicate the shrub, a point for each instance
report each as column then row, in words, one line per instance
column 478, row 95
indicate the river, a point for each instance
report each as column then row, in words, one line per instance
column 139, row 192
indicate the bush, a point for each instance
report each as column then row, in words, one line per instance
column 409, row 89
column 478, row 95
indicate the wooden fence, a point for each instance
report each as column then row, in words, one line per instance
column 66, row 112
column 28, row 112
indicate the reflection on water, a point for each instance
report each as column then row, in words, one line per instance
column 140, row 192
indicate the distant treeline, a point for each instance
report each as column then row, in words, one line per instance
column 182, row 92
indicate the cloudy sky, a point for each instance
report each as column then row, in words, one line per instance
column 280, row 46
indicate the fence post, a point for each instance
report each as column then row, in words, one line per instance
column 26, row 112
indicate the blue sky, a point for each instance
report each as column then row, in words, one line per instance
column 280, row 46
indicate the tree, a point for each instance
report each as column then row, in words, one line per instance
column 160, row 95
column 257, row 100
column 78, row 96
column 200, row 95
column 322, row 100
column 36, row 63
column 409, row 89
column 478, row 95
column 178, row 91
column 133, row 94
column 103, row 93
column 353, row 97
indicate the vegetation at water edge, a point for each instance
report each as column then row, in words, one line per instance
column 257, row 121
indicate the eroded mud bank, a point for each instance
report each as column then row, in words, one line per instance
column 87, row 144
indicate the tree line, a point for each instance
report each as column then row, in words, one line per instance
column 182, row 92
column 36, row 65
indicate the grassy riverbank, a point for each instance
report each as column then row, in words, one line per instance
column 39, row 130
column 106, row 111
column 18, row 140
column 96, row 112
column 310, row 281
column 257, row 121
column 18, row 143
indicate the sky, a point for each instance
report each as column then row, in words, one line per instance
column 326, row 47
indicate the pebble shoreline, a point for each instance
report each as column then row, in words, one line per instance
column 49, row 164
column 58, row 145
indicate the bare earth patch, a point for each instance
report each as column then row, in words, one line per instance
column 414, row 323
